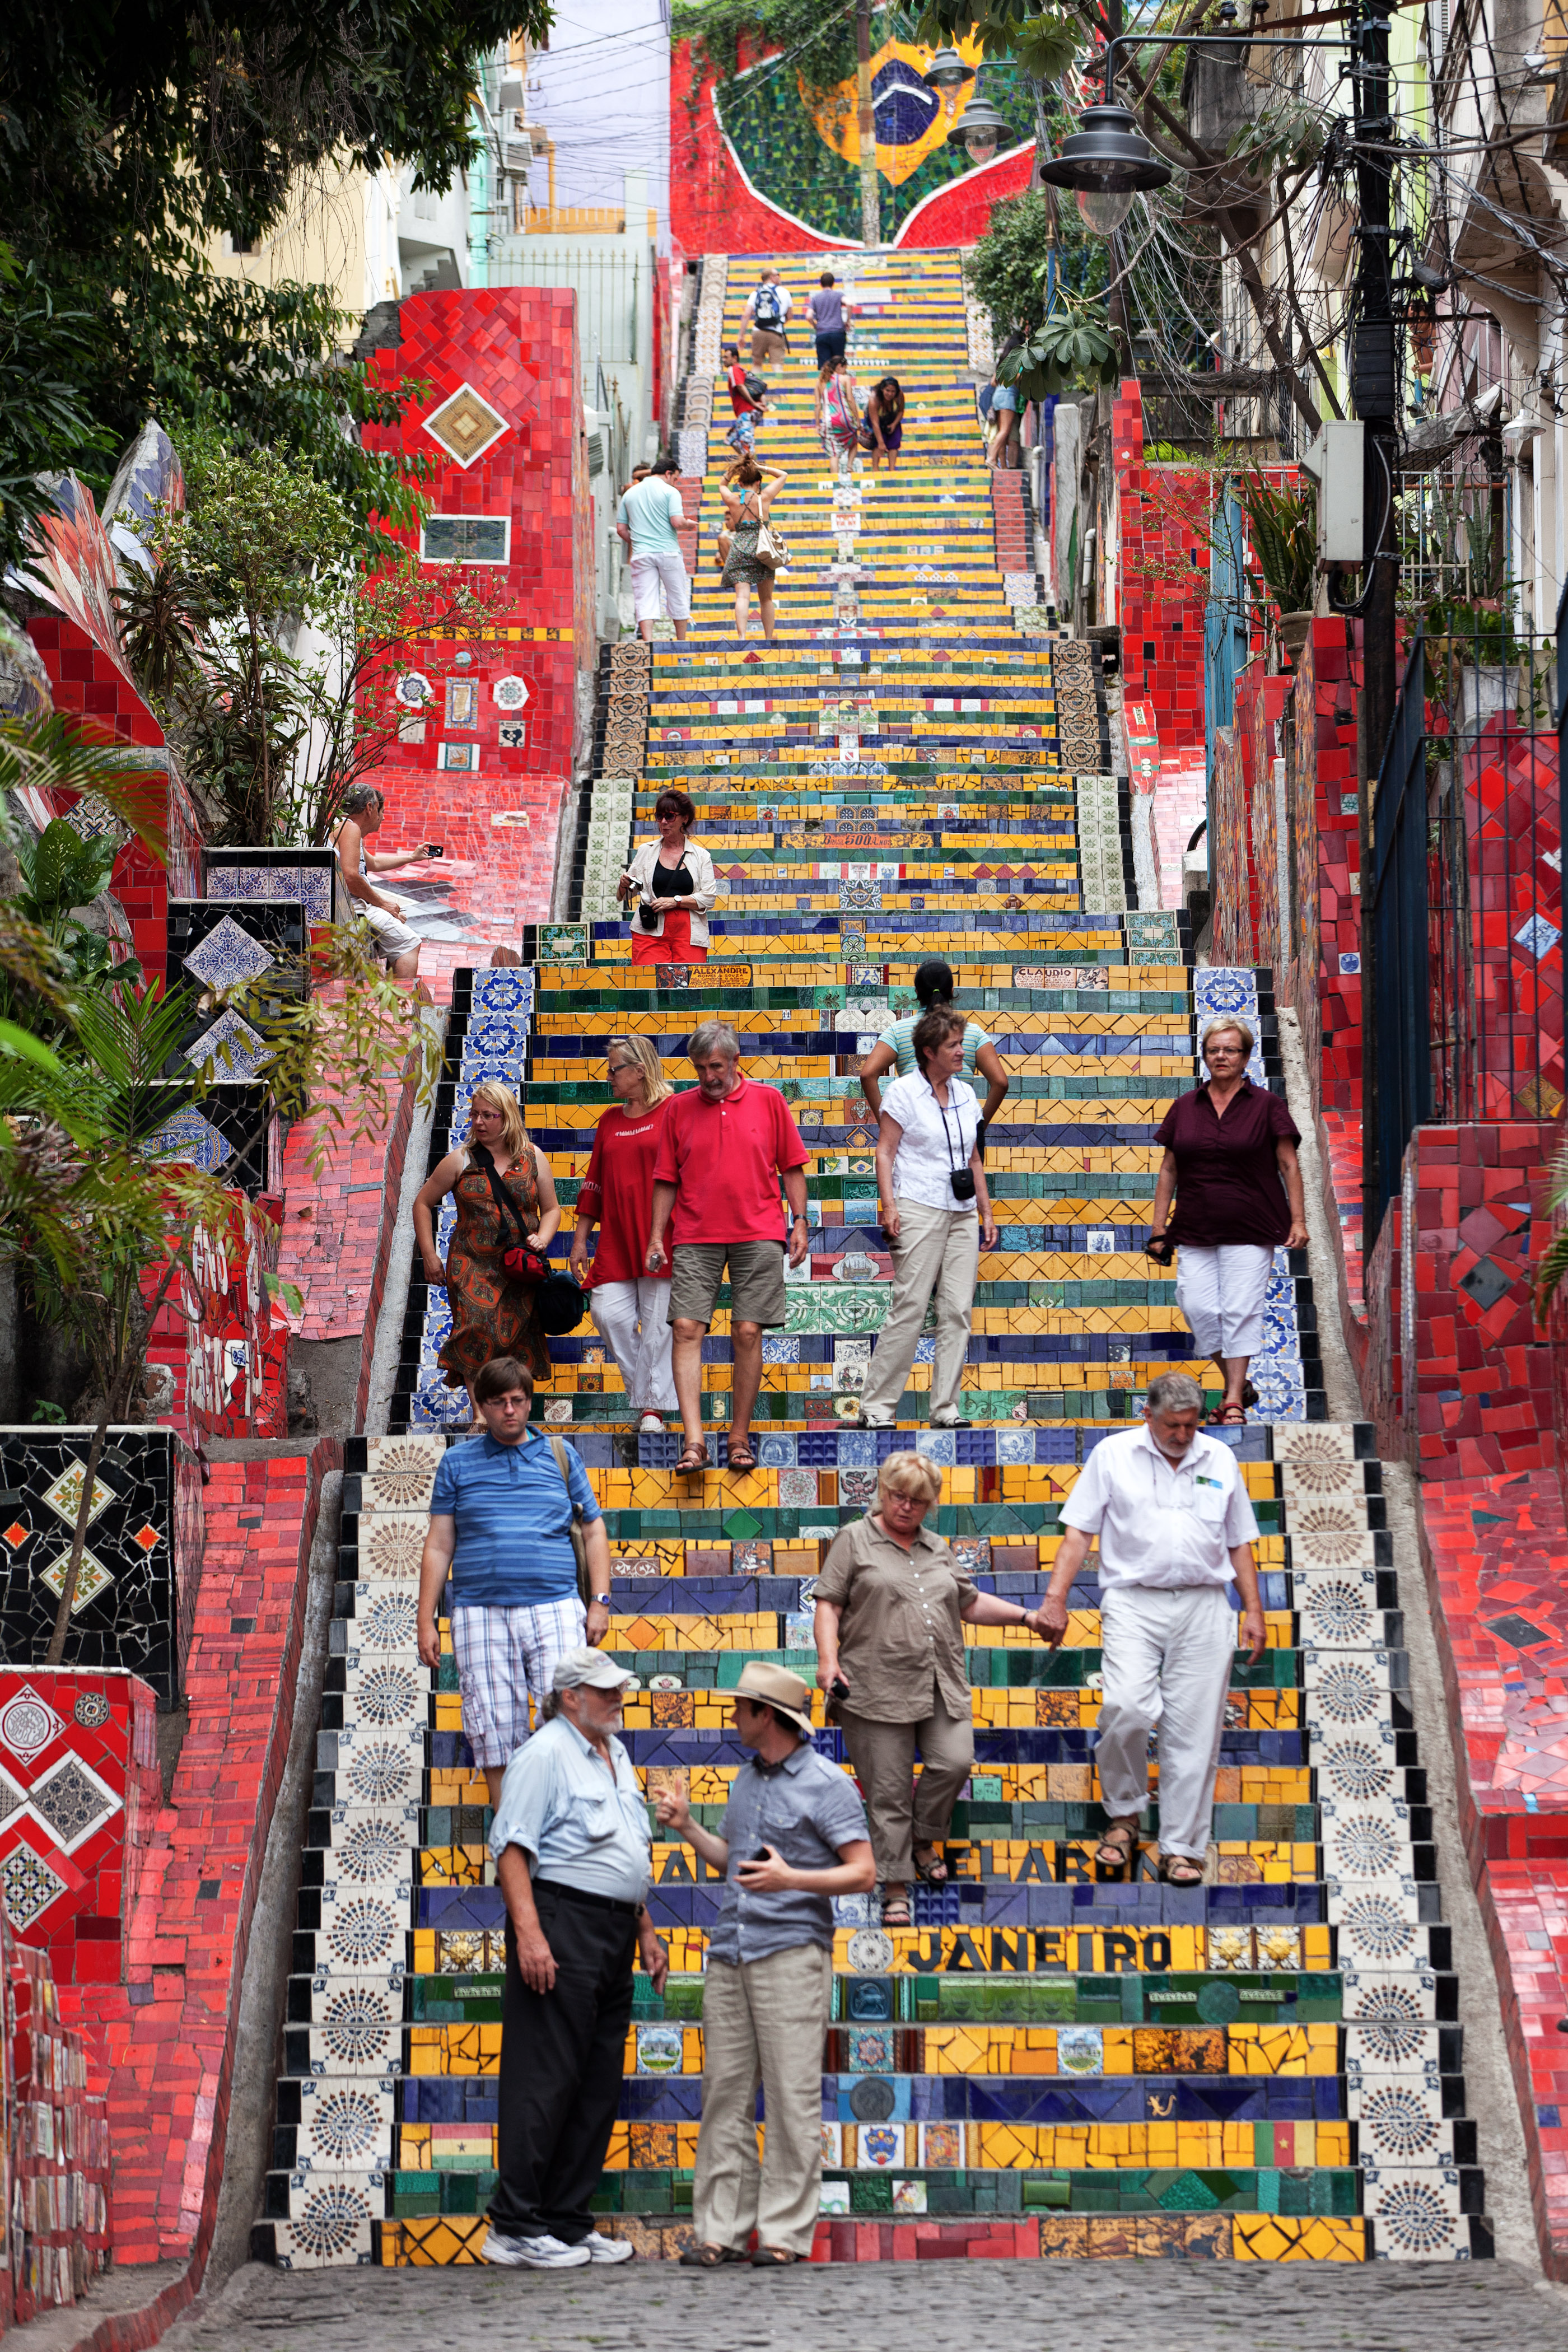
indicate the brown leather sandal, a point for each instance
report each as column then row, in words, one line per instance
column 1118, row 1846
column 694, row 1458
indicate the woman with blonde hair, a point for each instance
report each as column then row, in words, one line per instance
column 505, row 1197
column 891, row 1605
column 628, row 1305
column 748, row 492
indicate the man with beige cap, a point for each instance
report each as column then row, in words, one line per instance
column 794, row 1835
column 573, row 1859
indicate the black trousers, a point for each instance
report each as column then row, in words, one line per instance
column 561, row 2056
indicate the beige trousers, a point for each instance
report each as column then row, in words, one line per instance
column 905, row 1813
column 763, row 2022
column 936, row 1250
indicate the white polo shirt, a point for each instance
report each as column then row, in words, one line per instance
column 1162, row 1523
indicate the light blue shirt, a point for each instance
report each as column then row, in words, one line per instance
column 576, row 1827
column 653, row 511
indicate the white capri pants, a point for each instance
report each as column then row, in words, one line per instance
column 1166, row 1660
column 647, row 571
column 1223, row 1293
column 632, row 1319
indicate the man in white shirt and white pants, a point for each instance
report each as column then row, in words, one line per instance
column 1176, row 1529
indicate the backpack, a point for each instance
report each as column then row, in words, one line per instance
column 754, row 387
column 766, row 311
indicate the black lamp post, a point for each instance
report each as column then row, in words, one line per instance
column 982, row 127
column 1106, row 161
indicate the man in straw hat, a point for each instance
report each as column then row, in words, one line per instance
column 573, row 1859
column 794, row 1835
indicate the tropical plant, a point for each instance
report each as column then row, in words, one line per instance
column 1553, row 1265
column 1282, row 524
column 1070, row 348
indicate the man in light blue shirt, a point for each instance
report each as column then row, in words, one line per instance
column 574, row 1861
column 646, row 521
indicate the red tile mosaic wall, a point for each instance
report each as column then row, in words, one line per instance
column 56, row 2153
column 515, row 348
column 79, row 1768
column 161, row 2042
column 1513, row 988
column 1165, row 577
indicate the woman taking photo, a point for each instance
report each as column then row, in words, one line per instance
column 933, row 985
column 628, row 1305
column 892, row 1606
column 882, row 430
column 936, row 1213
column 673, row 883
column 839, row 412
column 492, row 1313
column 1227, row 1145
column 748, row 492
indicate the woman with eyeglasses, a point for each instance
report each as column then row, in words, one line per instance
column 1231, row 1165
column 673, row 883
column 628, row 1305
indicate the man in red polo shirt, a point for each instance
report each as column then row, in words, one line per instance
column 722, row 1149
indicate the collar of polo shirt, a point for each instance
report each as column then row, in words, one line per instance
column 1187, row 1460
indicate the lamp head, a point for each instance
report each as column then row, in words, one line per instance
column 1107, row 160
column 947, row 71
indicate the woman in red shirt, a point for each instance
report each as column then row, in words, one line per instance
column 628, row 1305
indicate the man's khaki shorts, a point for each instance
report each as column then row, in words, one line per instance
column 756, row 1282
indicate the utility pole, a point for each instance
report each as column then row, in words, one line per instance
column 870, row 195
column 1374, row 394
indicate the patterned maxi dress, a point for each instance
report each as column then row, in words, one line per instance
column 491, row 1315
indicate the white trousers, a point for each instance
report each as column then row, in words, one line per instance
column 631, row 1318
column 649, row 571
column 1166, row 1661
column 1223, row 1293
column 938, row 1250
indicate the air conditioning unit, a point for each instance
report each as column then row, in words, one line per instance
column 517, row 154
column 510, row 92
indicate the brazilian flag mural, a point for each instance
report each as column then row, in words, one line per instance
column 800, row 148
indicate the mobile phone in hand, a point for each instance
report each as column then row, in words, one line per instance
column 762, row 1854
column 435, row 849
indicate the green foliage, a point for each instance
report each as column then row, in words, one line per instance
column 1044, row 42
column 1283, row 527
column 1286, row 136
column 1554, row 1265
column 43, row 349
column 1067, row 349
column 819, row 43
column 1009, row 269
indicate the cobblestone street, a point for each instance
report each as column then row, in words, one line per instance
column 1022, row 2308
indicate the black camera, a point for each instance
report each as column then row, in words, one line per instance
column 962, row 1182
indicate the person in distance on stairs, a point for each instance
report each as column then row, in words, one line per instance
column 765, row 313
column 574, row 1861
column 1176, row 1530
column 793, row 1836
column 936, row 1213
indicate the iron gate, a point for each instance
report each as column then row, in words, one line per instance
column 1402, row 1097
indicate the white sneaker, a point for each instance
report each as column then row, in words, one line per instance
column 651, row 1425
column 607, row 2250
column 534, row 2253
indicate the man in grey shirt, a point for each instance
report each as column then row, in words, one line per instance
column 793, row 1836
column 574, row 1861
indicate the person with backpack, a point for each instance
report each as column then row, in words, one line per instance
column 748, row 398
column 765, row 313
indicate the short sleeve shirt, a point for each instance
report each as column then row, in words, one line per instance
column 724, row 1159
column 1228, row 1187
column 826, row 310
column 902, row 1631
column 653, row 511
column 619, row 1191
column 933, row 1142
column 513, row 1514
column 581, row 1822
column 805, row 1809
column 900, row 1037
column 1160, row 1523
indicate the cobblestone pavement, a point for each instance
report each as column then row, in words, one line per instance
column 1013, row 2308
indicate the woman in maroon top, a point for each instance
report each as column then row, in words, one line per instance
column 1227, row 1147
column 628, row 1305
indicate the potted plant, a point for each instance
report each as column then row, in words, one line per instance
column 1282, row 524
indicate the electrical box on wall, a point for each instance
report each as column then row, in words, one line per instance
column 1335, row 461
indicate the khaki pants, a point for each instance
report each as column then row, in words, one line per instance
column 763, row 2022
column 939, row 1251
column 905, row 1813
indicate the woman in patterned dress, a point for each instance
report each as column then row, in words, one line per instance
column 491, row 1313
column 748, row 493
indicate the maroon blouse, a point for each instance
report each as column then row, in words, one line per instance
column 1228, row 1187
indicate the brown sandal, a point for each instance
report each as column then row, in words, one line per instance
column 740, row 1456
column 1181, row 1870
column 933, row 1873
column 694, row 1458
column 1118, row 1846
column 896, row 1912
column 774, row 2258
column 711, row 2257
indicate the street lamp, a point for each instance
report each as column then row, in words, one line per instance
column 947, row 72
column 982, row 127
column 1106, row 161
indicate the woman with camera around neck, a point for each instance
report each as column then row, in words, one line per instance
column 673, row 883
column 936, row 1215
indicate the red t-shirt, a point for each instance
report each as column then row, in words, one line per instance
column 618, row 1189
column 724, row 1159
column 1228, row 1187
column 739, row 398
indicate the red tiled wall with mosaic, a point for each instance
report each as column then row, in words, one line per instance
column 78, row 1769
column 512, row 711
column 1165, row 577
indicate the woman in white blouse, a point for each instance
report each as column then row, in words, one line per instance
column 936, row 1213
column 674, row 887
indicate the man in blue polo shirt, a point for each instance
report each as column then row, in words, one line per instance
column 500, row 1527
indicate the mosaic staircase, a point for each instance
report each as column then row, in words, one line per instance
column 1266, row 2067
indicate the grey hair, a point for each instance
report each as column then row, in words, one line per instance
column 1224, row 1021
column 713, row 1037
column 1174, row 1392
